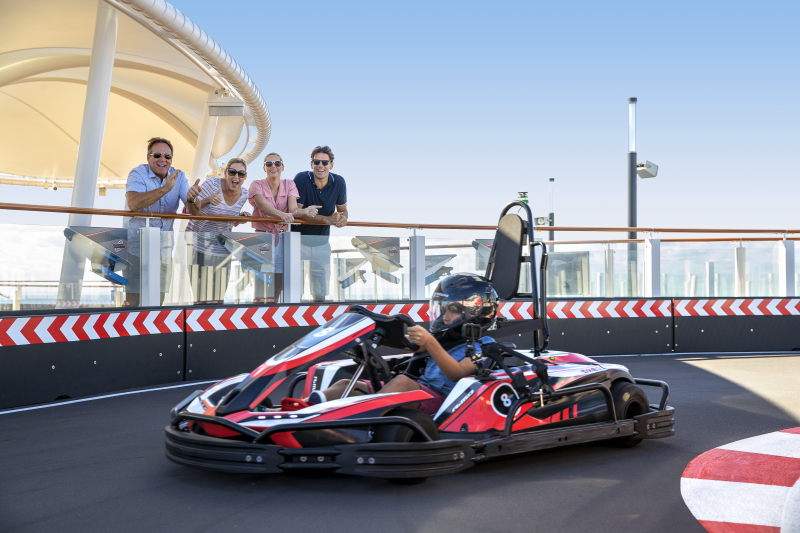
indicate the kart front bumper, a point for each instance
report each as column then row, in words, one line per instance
column 384, row 460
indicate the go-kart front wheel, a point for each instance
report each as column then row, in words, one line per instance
column 406, row 434
column 629, row 401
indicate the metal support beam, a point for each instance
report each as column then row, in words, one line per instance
column 652, row 268
column 90, row 147
column 786, row 269
column 416, row 251
column 711, row 290
column 205, row 139
column 292, row 268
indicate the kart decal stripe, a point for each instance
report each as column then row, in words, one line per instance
column 744, row 486
column 371, row 403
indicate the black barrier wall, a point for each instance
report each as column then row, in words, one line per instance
column 43, row 371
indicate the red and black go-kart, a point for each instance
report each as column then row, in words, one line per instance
column 514, row 404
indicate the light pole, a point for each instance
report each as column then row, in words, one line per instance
column 631, row 195
column 552, row 215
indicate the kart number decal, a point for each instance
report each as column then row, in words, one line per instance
column 503, row 398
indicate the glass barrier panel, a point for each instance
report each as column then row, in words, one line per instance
column 702, row 269
column 226, row 268
column 761, row 268
column 360, row 268
column 595, row 270
column 95, row 273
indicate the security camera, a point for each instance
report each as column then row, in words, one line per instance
column 647, row 170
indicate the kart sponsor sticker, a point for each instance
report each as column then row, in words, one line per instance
column 503, row 397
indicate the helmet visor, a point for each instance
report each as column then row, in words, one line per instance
column 446, row 313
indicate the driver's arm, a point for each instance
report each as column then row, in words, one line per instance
column 452, row 369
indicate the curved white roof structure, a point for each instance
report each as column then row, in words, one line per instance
column 165, row 69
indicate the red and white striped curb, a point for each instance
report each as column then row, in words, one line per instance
column 742, row 487
column 738, row 307
column 609, row 309
column 67, row 328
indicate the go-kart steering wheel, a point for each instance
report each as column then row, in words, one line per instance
column 407, row 321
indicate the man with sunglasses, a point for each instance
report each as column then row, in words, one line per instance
column 154, row 187
column 326, row 192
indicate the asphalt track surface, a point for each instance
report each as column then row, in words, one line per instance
column 100, row 466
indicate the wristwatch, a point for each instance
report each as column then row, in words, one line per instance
column 192, row 201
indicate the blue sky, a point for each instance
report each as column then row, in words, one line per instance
column 440, row 112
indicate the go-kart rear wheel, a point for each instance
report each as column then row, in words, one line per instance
column 629, row 401
column 406, row 434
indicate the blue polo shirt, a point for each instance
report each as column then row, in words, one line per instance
column 334, row 193
column 142, row 179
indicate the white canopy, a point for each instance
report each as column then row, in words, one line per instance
column 165, row 69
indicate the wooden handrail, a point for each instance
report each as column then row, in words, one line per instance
column 400, row 225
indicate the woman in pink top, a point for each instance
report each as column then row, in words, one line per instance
column 275, row 197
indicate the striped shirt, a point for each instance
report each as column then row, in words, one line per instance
column 205, row 235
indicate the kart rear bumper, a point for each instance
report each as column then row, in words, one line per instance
column 384, row 460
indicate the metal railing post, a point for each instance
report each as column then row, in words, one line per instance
column 786, row 269
column 416, row 254
column 740, row 272
column 150, row 239
column 652, row 268
column 292, row 268
column 609, row 273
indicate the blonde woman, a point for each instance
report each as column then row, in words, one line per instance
column 275, row 197
column 224, row 196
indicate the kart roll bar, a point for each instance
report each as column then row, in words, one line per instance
column 557, row 394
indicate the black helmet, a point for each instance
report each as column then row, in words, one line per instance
column 469, row 296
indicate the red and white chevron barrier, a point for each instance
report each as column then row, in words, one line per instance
column 742, row 487
column 286, row 316
column 260, row 317
column 515, row 310
column 738, row 307
column 68, row 328
column 610, row 309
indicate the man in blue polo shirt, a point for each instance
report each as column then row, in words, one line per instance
column 326, row 193
column 154, row 187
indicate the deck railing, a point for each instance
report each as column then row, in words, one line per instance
column 744, row 263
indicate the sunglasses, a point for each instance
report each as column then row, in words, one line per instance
column 157, row 155
column 270, row 163
column 233, row 172
column 318, row 161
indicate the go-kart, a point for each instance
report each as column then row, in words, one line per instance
column 518, row 401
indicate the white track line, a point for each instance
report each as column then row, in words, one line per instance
column 103, row 397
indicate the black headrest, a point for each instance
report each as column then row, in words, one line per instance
column 507, row 252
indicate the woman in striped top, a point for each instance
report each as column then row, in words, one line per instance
column 221, row 197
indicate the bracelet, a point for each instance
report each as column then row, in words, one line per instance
column 192, row 201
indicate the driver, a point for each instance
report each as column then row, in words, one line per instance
column 459, row 299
